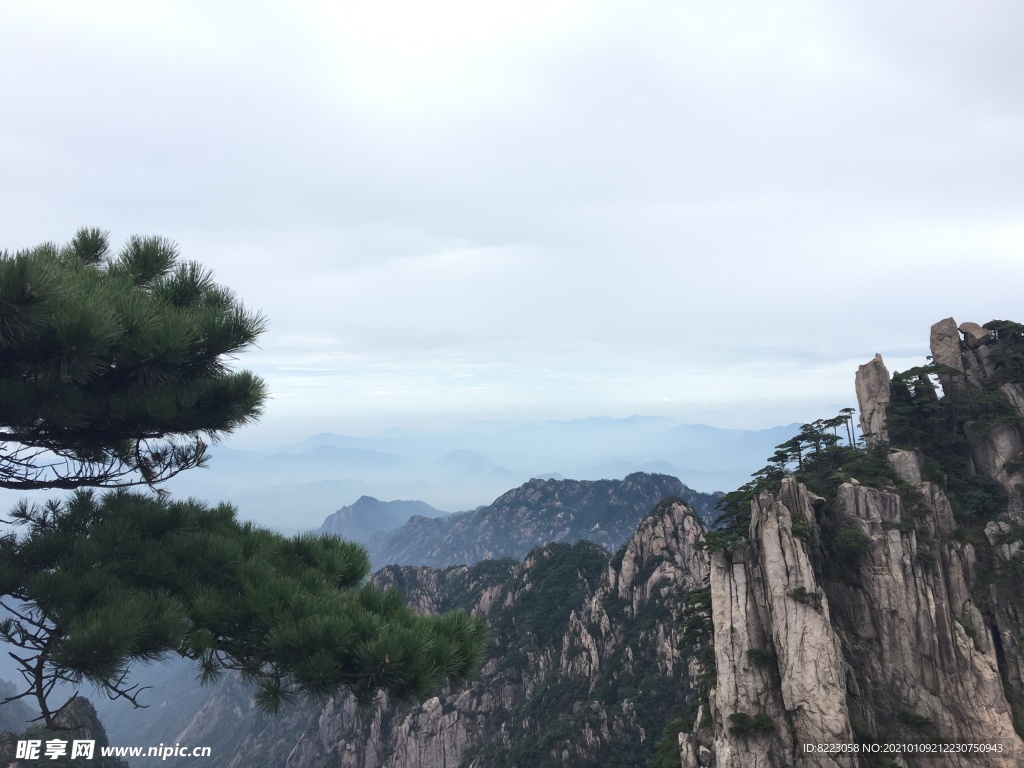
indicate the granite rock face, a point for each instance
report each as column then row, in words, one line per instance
column 911, row 633
column 872, row 384
column 905, row 652
column 945, row 345
column 767, row 600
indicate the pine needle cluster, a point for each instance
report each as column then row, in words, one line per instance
column 113, row 370
column 98, row 583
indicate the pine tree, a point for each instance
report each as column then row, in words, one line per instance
column 101, row 582
column 113, row 370
column 111, row 374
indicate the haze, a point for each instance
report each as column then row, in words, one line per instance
column 464, row 211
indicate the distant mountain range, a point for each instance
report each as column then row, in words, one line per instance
column 605, row 512
column 294, row 487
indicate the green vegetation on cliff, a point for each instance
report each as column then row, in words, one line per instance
column 824, row 453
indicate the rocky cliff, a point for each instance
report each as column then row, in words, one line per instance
column 583, row 668
column 605, row 512
column 876, row 598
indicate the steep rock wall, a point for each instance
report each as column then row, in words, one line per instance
column 877, row 614
column 902, row 654
column 777, row 654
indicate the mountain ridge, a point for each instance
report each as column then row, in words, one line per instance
column 605, row 512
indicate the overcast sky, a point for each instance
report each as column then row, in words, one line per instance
column 449, row 211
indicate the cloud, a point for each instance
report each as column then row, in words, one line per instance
column 544, row 206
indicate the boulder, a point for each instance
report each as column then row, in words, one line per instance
column 975, row 336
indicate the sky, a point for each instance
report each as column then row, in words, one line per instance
column 457, row 211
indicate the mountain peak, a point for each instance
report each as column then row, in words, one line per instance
column 368, row 516
column 536, row 513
